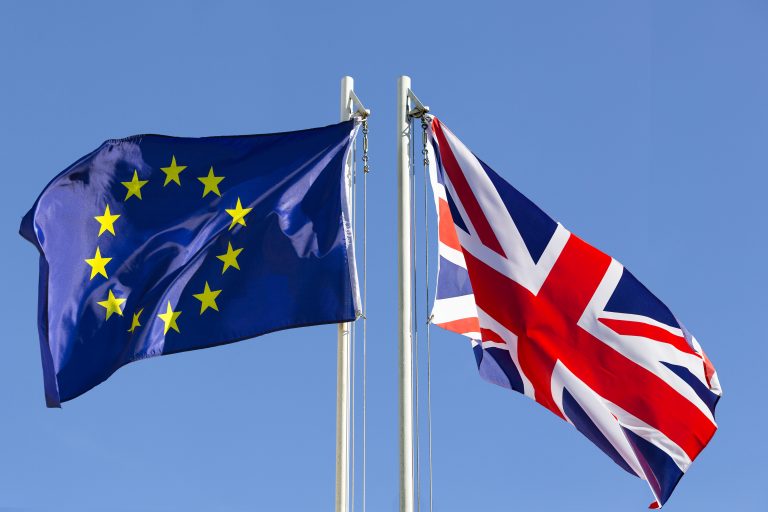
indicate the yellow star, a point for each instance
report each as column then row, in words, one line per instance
column 211, row 183
column 98, row 264
column 230, row 258
column 238, row 214
column 112, row 305
column 135, row 322
column 207, row 298
column 172, row 172
column 134, row 186
column 106, row 221
column 169, row 318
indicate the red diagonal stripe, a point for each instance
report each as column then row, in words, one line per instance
column 631, row 328
column 446, row 228
column 462, row 325
column 466, row 196
column 709, row 369
column 489, row 335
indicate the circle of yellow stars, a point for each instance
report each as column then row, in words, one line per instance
column 114, row 304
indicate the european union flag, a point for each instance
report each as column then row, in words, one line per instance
column 152, row 245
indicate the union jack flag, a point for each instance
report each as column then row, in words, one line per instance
column 554, row 318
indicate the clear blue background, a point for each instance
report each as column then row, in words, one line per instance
column 642, row 126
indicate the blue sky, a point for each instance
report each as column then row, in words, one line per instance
column 641, row 126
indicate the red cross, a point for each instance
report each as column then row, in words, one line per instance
column 546, row 325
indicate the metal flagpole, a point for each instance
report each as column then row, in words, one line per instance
column 404, row 294
column 343, row 353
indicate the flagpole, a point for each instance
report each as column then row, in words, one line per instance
column 404, row 294
column 343, row 351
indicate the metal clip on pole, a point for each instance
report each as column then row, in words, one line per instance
column 419, row 108
column 361, row 110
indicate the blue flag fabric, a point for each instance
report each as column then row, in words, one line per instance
column 152, row 245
